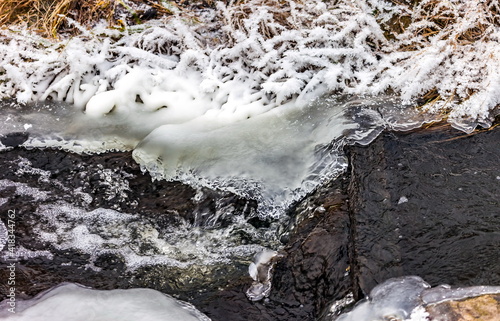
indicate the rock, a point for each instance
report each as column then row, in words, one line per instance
column 316, row 268
column 484, row 308
column 14, row 139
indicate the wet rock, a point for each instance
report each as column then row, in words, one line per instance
column 426, row 203
column 484, row 308
column 316, row 268
column 14, row 139
column 231, row 303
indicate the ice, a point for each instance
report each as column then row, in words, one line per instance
column 261, row 272
column 274, row 157
column 272, row 151
column 74, row 302
column 393, row 299
column 402, row 199
column 405, row 298
column 445, row 293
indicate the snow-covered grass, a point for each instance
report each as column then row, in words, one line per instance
column 246, row 57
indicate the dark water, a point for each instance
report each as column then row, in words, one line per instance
column 421, row 203
column 426, row 203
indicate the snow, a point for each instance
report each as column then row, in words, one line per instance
column 70, row 301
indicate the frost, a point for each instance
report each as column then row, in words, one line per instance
column 419, row 314
column 272, row 53
column 165, row 88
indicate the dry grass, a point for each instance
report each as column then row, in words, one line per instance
column 439, row 16
column 47, row 17
column 280, row 10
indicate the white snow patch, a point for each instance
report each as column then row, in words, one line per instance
column 74, row 302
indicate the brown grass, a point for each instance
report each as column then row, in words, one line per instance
column 47, row 17
column 280, row 10
column 440, row 14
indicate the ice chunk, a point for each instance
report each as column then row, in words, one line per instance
column 393, row 299
column 261, row 271
column 402, row 199
column 75, row 302
column 406, row 298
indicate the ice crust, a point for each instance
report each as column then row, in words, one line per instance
column 70, row 301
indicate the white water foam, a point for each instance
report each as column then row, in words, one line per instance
column 138, row 242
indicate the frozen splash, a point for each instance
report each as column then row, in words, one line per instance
column 74, row 302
